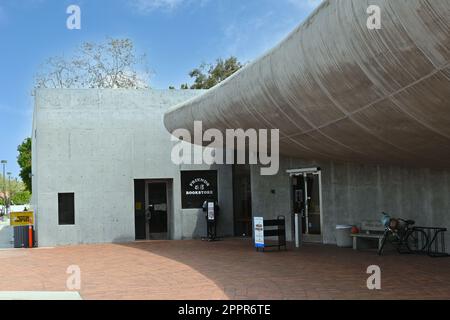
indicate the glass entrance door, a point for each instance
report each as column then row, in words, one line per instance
column 156, row 210
column 307, row 204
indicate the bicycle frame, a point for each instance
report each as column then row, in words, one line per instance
column 403, row 234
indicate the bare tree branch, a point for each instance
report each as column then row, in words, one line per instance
column 111, row 64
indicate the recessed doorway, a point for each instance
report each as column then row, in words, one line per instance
column 306, row 187
column 152, row 209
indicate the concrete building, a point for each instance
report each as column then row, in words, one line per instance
column 101, row 157
column 367, row 111
column 364, row 119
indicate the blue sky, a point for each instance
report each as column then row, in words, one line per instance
column 176, row 36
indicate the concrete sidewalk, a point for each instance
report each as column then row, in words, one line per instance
column 6, row 234
column 30, row 295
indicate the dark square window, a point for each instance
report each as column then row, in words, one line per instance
column 66, row 208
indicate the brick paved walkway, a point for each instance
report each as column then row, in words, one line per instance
column 224, row 270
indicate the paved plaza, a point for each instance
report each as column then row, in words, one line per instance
column 229, row 269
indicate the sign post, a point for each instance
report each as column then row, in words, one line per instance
column 30, row 236
column 211, row 211
column 258, row 227
column 24, row 219
column 21, row 219
column 297, row 231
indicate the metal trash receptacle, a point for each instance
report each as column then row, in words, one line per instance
column 21, row 237
column 343, row 238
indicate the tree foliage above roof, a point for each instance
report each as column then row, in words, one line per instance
column 109, row 64
column 209, row 75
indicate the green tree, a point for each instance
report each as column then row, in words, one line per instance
column 16, row 192
column 21, row 197
column 24, row 161
column 209, row 75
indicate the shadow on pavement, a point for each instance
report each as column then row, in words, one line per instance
column 313, row 272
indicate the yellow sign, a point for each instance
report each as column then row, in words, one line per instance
column 20, row 219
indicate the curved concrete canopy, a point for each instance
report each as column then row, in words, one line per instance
column 337, row 90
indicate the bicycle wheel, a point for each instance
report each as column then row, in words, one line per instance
column 383, row 242
column 417, row 241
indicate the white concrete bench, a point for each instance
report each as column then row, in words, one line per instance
column 370, row 231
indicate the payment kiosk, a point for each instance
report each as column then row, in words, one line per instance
column 211, row 210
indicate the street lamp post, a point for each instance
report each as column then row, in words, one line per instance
column 4, row 162
column 9, row 192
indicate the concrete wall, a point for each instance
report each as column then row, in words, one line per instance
column 193, row 222
column 353, row 192
column 339, row 91
column 95, row 143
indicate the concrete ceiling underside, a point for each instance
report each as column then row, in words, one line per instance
column 339, row 91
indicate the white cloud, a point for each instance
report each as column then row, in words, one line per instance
column 305, row 3
column 150, row 5
column 240, row 33
column 147, row 6
column 249, row 36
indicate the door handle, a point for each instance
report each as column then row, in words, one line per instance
column 149, row 212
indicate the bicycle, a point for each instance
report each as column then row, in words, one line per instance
column 403, row 235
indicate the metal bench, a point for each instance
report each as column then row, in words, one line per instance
column 370, row 231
